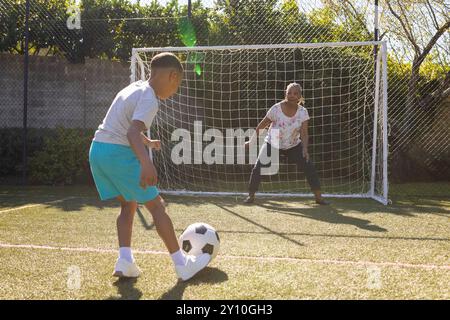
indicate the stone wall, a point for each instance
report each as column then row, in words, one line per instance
column 59, row 93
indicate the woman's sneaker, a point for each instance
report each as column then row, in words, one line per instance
column 126, row 269
column 249, row 199
column 323, row 202
column 193, row 265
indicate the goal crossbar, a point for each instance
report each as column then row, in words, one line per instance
column 262, row 46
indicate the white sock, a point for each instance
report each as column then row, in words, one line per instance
column 178, row 258
column 125, row 253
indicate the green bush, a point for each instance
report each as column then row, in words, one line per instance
column 11, row 148
column 63, row 159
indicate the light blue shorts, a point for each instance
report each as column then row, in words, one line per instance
column 116, row 171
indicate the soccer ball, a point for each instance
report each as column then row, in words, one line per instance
column 200, row 238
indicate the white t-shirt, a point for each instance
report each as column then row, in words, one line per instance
column 135, row 102
column 284, row 131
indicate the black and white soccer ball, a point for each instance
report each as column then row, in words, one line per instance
column 200, row 238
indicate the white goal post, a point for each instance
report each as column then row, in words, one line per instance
column 230, row 88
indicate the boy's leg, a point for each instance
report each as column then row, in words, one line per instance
column 185, row 266
column 125, row 221
column 125, row 265
column 163, row 223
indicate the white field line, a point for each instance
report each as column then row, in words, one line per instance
column 36, row 205
column 243, row 257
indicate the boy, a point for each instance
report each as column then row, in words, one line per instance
column 122, row 168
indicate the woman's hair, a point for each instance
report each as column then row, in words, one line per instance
column 301, row 101
column 166, row 60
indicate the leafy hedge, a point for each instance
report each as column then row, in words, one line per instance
column 56, row 156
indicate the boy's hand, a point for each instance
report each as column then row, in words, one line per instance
column 149, row 176
column 155, row 144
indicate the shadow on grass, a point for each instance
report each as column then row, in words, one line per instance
column 208, row 276
column 271, row 231
column 330, row 235
column 321, row 213
column 325, row 214
column 402, row 206
column 80, row 204
column 144, row 222
column 126, row 289
column 82, row 197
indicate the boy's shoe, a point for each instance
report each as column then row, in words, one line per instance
column 193, row 265
column 249, row 200
column 126, row 269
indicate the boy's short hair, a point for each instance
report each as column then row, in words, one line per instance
column 166, row 60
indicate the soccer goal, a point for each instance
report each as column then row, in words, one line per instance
column 227, row 90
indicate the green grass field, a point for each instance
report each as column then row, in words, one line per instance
column 275, row 249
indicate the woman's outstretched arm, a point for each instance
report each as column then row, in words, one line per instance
column 265, row 122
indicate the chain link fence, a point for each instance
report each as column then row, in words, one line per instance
column 80, row 58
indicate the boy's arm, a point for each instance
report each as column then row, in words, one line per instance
column 148, row 170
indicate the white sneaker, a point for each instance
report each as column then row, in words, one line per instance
column 127, row 269
column 192, row 266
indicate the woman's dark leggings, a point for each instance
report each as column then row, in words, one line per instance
column 294, row 155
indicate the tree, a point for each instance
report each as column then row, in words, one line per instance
column 10, row 30
column 250, row 22
column 352, row 16
column 418, row 34
column 431, row 22
column 48, row 33
column 424, row 36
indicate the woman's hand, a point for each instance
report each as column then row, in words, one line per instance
column 155, row 144
column 305, row 154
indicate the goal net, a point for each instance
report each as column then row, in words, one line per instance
column 227, row 90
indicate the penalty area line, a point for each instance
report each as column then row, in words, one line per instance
column 36, row 205
column 237, row 257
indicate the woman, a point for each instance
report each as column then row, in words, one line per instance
column 288, row 132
